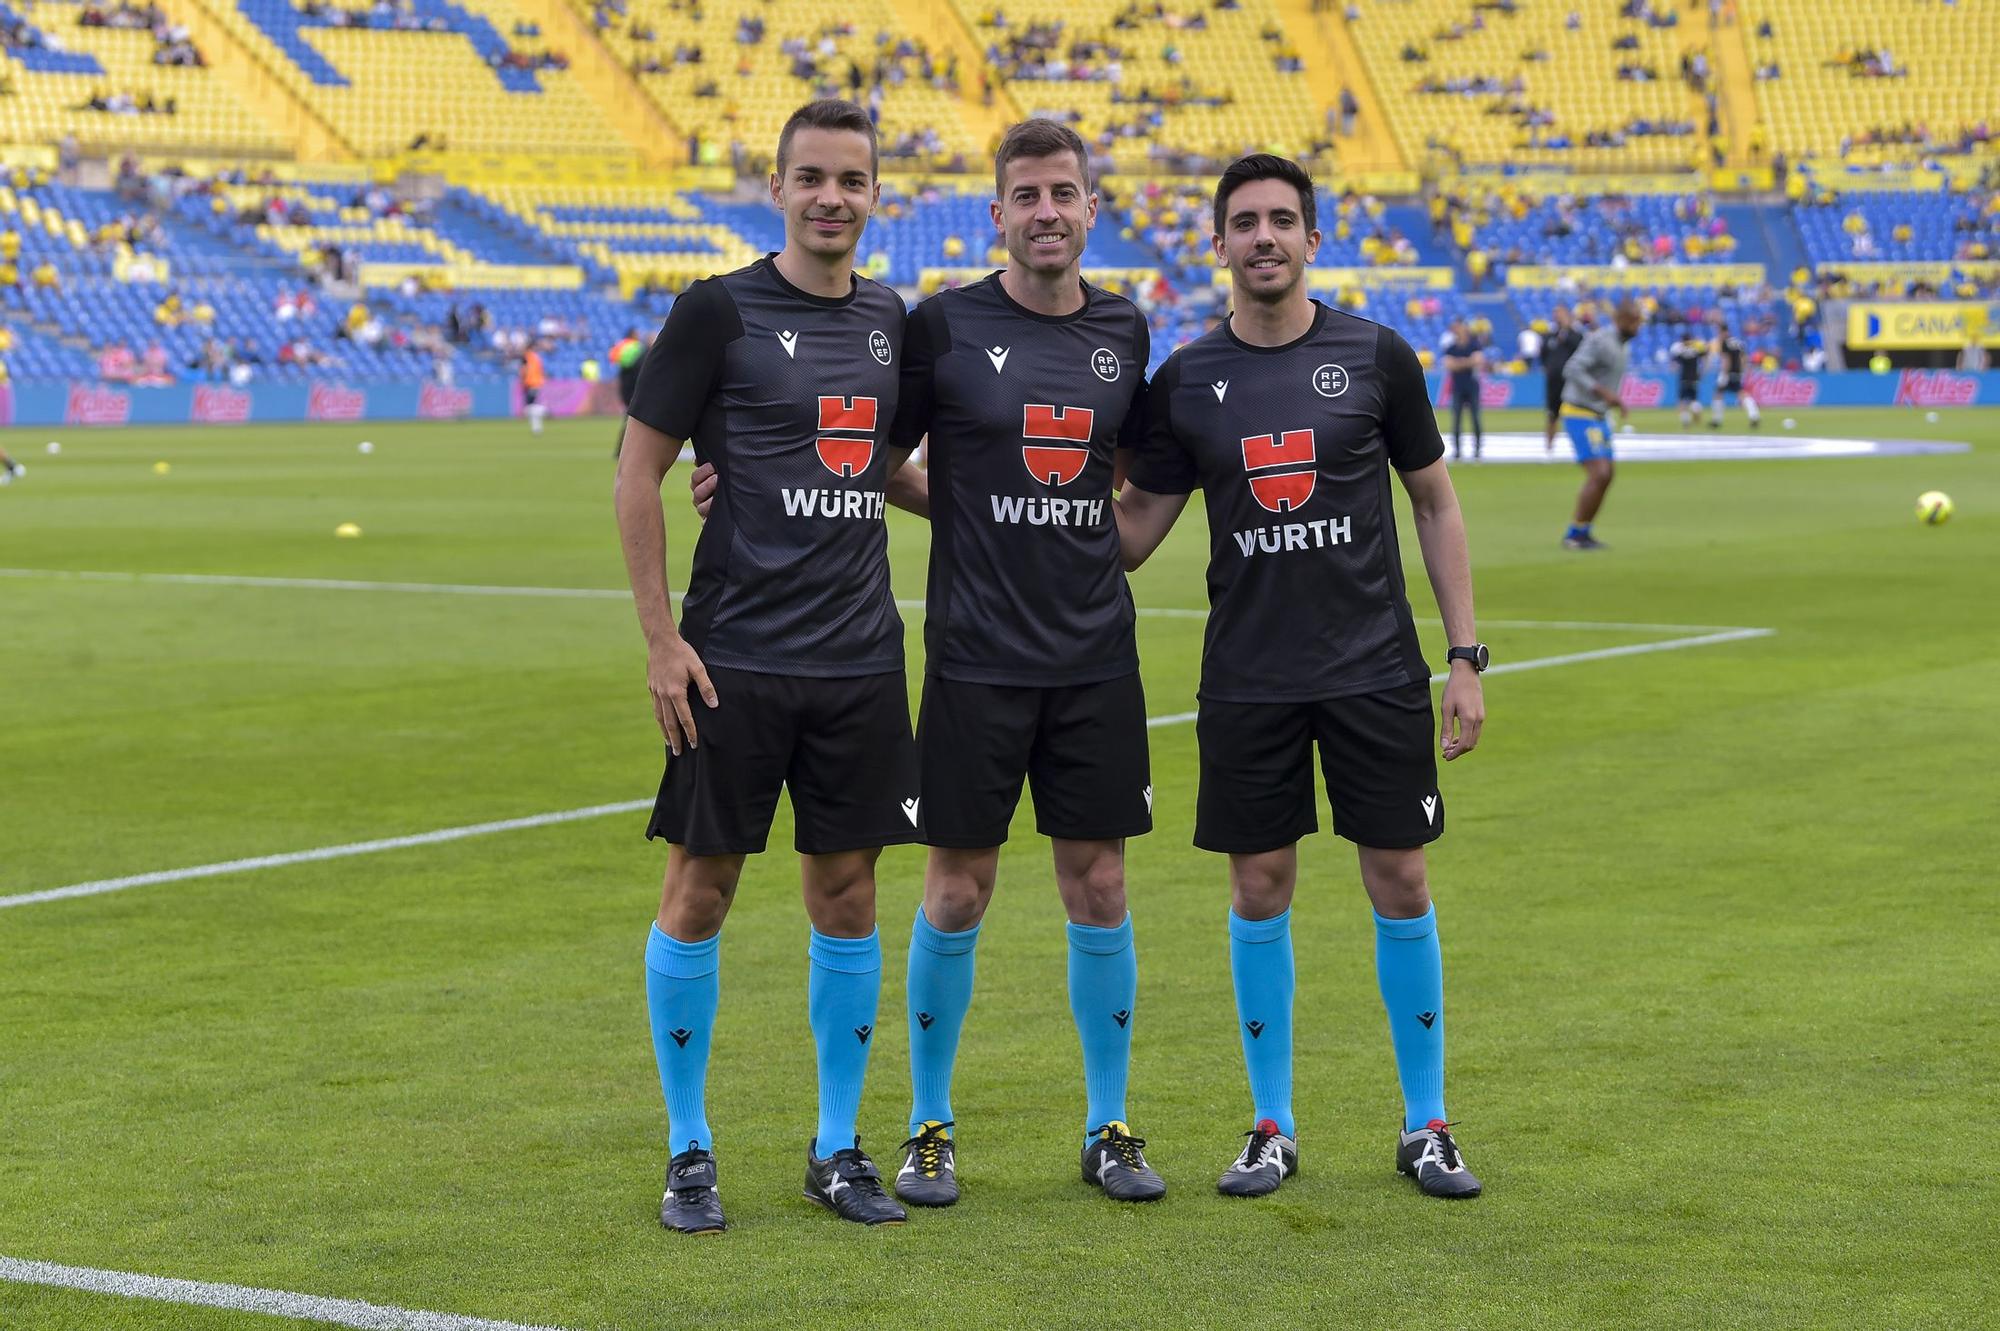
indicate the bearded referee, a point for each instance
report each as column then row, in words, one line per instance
column 1290, row 419
column 786, row 666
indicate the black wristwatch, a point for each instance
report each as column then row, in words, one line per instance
column 1477, row 654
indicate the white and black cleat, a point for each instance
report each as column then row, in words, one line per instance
column 929, row 1176
column 692, row 1203
column 848, row 1184
column 1268, row 1159
column 1115, row 1161
column 1431, row 1157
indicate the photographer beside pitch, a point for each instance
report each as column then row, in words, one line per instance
column 1290, row 418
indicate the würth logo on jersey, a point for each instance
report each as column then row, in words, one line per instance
column 1282, row 469
column 847, row 434
column 1054, row 463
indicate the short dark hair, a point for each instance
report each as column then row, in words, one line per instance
column 830, row 113
column 1040, row 137
column 1265, row 166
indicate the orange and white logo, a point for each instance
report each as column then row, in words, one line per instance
column 1282, row 470
column 847, row 434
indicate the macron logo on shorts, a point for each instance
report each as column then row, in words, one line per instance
column 910, row 809
column 1430, row 803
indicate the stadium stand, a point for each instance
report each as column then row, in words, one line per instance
column 451, row 180
column 1587, row 86
column 1875, row 82
column 728, row 72
column 422, row 75
column 1147, row 82
column 124, row 75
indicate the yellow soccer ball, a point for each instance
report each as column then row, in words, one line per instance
column 591, row 370
column 1934, row 508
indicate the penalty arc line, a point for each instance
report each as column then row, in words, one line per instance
column 247, row 1298
column 620, row 594
column 100, row 886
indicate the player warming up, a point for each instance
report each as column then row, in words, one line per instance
column 1290, row 419
column 1027, row 383
column 1557, row 348
column 1591, row 384
column 1730, row 354
column 533, row 376
column 1688, row 353
column 786, row 666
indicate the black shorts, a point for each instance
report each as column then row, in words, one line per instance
column 1552, row 396
column 1730, row 384
column 1377, row 751
column 842, row 746
column 529, row 397
column 1690, row 390
column 1082, row 748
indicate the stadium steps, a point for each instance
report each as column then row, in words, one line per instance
column 251, row 75
column 1331, row 61
column 487, row 241
column 941, row 24
column 647, row 131
column 1736, row 87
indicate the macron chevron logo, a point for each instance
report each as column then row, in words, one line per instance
column 910, row 809
column 1221, row 387
column 1430, row 808
column 998, row 355
column 789, row 340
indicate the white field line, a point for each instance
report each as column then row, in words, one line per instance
column 620, row 594
column 1538, row 663
column 244, row 1298
column 99, row 886
column 103, row 885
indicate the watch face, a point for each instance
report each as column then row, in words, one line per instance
column 1481, row 657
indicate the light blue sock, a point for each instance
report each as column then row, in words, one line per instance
column 1103, row 987
column 940, row 991
column 841, row 994
column 682, row 987
column 1260, row 959
column 1411, row 973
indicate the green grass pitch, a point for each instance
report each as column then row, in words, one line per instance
column 1719, row 926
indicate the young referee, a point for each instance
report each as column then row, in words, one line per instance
column 786, row 665
column 1290, row 419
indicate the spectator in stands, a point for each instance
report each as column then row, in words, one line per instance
column 116, row 363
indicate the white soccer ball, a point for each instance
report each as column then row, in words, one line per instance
column 1931, row 416
column 54, row 448
column 1791, row 424
column 365, row 446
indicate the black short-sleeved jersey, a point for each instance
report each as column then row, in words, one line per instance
column 790, row 397
column 1557, row 348
column 1688, row 355
column 1730, row 347
column 1291, row 447
column 1024, row 411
